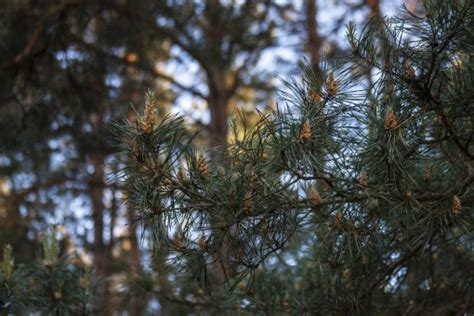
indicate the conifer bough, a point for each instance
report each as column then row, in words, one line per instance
column 390, row 230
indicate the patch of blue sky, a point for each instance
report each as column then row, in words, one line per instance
column 65, row 56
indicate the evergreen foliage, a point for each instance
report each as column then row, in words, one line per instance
column 55, row 285
column 350, row 199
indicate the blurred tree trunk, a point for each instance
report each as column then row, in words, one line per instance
column 217, row 75
column 96, row 192
column 134, row 94
column 218, row 100
column 137, row 304
column 113, row 214
column 314, row 40
column 374, row 8
column 314, row 46
column 135, row 97
column 96, row 185
column 96, row 181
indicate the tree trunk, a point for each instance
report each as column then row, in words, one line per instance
column 96, row 181
column 96, row 184
column 314, row 44
column 374, row 8
column 132, row 93
column 218, row 102
column 314, row 41
column 137, row 304
column 96, row 187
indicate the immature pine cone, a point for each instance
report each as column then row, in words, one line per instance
column 314, row 197
column 409, row 71
column 338, row 219
column 314, row 96
column 202, row 167
column 363, row 180
column 305, row 133
column 248, row 206
column 391, row 122
column 457, row 206
column 332, row 85
column 202, row 243
column 150, row 119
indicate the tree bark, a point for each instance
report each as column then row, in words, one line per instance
column 314, row 40
column 132, row 91
column 374, row 7
column 96, row 181
column 220, row 93
column 314, row 45
column 96, row 185
column 218, row 102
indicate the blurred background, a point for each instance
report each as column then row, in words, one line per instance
column 70, row 67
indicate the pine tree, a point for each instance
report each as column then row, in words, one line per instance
column 390, row 232
column 55, row 285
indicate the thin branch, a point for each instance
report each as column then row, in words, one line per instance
column 39, row 28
